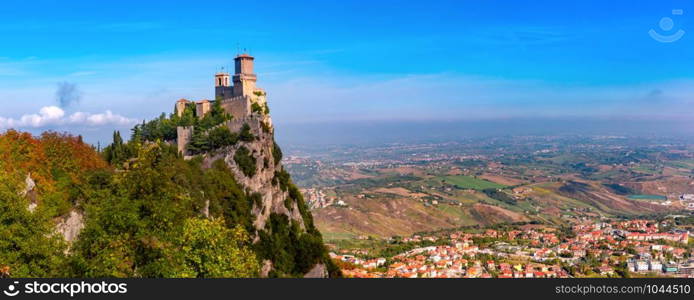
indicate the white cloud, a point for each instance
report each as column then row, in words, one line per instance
column 52, row 116
column 99, row 119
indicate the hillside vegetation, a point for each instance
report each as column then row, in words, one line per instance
column 147, row 213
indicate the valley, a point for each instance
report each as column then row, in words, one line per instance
column 401, row 189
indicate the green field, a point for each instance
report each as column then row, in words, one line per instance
column 336, row 236
column 650, row 170
column 459, row 214
column 468, row 182
column 647, row 197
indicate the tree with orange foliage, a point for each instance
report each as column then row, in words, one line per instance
column 56, row 162
column 21, row 153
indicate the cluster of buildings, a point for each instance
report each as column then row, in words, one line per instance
column 591, row 249
column 640, row 242
column 687, row 201
column 680, row 237
column 316, row 198
column 462, row 258
column 418, row 238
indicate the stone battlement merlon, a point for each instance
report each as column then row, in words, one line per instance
column 235, row 98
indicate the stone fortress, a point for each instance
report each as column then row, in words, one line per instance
column 238, row 99
column 247, row 104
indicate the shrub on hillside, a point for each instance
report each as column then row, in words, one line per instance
column 276, row 152
column 208, row 249
column 246, row 135
column 216, row 138
column 245, row 161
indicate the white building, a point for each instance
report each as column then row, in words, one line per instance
column 656, row 265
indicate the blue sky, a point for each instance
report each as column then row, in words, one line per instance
column 325, row 61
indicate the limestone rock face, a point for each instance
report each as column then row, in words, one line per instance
column 30, row 184
column 71, row 226
column 318, row 271
column 30, row 192
column 261, row 182
column 266, row 268
column 264, row 182
column 68, row 226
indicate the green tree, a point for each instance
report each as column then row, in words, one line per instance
column 29, row 245
column 227, row 197
column 220, row 137
column 133, row 219
column 211, row 250
column 245, row 161
column 118, row 152
column 246, row 135
column 256, row 108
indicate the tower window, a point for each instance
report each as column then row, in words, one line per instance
column 220, row 81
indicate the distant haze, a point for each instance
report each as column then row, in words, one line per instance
column 380, row 132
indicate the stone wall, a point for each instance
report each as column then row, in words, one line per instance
column 184, row 134
column 239, row 107
column 223, row 92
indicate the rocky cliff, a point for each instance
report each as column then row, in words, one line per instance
column 255, row 161
column 266, row 166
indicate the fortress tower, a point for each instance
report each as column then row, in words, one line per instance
column 245, row 96
column 181, row 106
column 237, row 95
column 244, row 79
column 222, row 86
